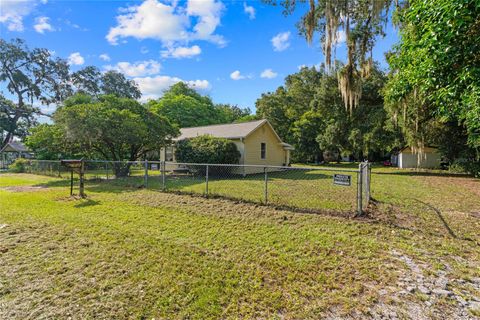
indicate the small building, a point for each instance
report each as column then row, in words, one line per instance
column 12, row 151
column 257, row 142
column 407, row 158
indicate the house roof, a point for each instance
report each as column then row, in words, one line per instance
column 408, row 147
column 14, row 146
column 228, row 131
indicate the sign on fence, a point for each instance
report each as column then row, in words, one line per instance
column 342, row 179
column 154, row 166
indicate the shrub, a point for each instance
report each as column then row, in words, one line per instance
column 207, row 149
column 466, row 166
column 18, row 166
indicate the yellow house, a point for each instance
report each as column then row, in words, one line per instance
column 257, row 142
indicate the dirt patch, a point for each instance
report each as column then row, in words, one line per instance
column 24, row 188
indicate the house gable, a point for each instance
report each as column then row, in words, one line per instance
column 276, row 154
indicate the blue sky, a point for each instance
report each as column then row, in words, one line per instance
column 232, row 50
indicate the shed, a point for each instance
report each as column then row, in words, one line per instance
column 407, row 158
column 257, row 142
column 11, row 151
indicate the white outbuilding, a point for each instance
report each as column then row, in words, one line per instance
column 406, row 158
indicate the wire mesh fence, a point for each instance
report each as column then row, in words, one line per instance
column 310, row 188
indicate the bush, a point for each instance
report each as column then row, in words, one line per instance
column 18, row 166
column 207, row 149
column 466, row 166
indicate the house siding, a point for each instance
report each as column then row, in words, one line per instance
column 275, row 156
column 430, row 159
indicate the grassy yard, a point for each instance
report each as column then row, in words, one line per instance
column 126, row 252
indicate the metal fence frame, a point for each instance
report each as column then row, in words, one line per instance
column 363, row 174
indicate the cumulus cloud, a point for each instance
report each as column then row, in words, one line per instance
column 42, row 24
column 181, row 52
column 281, row 41
column 136, row 69
column 236, row 75
column 104, row 57
column 249, row 10
column 13, row 11
column 76, row 59
column 153, row 87
column 268, row 74
column 169, row 22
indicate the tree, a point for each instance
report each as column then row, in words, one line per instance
column 91, row 81
column 308, row 112
column 231, row 113
column 117, row 129
column 361, row 21
column 49, row 143
column 207, row 149
column 32, row 77
column 435, row 74
column 289, row 102
column 14, row 121
column 185, row 107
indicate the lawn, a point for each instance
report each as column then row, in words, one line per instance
column 127, row 252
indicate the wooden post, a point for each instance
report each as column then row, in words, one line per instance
column 82, row 171
column 71, row 182
column 206, row 181
column 145, row 175
column 265, row 189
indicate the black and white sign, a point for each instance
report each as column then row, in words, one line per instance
column 154, row 166
column 342, row 179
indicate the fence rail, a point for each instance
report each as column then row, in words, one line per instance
column 310, row 188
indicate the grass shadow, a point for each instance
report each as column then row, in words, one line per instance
column 87, row 203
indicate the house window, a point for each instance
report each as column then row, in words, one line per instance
column 263, row 150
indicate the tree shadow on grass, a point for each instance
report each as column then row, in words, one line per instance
column 87, row 203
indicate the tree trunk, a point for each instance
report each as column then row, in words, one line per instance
column 121, row 169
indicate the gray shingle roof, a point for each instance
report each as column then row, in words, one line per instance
column 229, row 131
column 15, row 146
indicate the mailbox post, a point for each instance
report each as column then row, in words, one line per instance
column 77, row 166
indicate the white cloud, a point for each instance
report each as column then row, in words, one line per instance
column 268, row 74
column 136, row 69
column 169, row 22
column 104, row 57
column 236, row 75
column 181, row 52
column 13, row 11
column 153, row 87
column 341, row 37
column 76, row 59
column 249, row 10
column 42, row 24
column 281, row 41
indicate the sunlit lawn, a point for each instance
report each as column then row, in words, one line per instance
column 127, row 252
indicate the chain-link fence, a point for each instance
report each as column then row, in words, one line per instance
column 309, row 188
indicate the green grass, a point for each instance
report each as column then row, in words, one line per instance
column 126, row 252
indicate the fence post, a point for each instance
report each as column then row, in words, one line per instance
column 367, row 184
column 206, row 181
column 162, row 166
column 71, row 182
column 82, row 183
column 265, row 191
column 145, row 176
column 359, row 189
